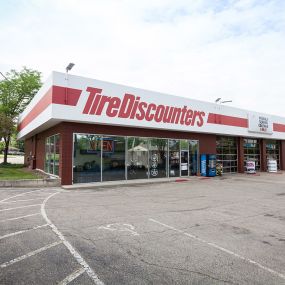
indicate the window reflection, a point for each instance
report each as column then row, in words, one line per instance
column 108, row 158
column 137, row 166
column 56, row 154
column 227, row 153
column 272, row 151
column 252, row 152
column 113, row 158
column 52, row 155
column 174, row 160
column 157, row 158
column 193, row 157
column 87, row 158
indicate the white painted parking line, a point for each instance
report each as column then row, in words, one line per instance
column 20, row 258
column 44, row 193
column 18, row 218
column 10, row 209
column 71, row 249
column 23, row 231
column 20, row 195
column 72, row 276
column 221, row 249
column 15, row 201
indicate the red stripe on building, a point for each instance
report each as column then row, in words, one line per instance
column 65, row 96
column 55, row 95
column 219, row 119
column 44, row 102
column 279, row 128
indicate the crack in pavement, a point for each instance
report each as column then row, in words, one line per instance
column 179, row 269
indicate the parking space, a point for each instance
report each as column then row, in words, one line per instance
column 32, row 250
column 229, row 231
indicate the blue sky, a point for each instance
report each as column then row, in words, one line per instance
column 201, row 49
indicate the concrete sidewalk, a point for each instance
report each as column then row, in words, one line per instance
column 106, row 184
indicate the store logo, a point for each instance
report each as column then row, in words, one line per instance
column 131, row 107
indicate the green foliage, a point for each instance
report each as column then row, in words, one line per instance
column 16, row 143
column 6, row 126
column 18, row 90
column 2, row 146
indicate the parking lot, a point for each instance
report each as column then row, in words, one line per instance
column 201, row 231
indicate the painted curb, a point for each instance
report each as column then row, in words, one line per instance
column 30, row 183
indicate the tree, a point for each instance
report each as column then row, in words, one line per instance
column 17, row 89
column 6, row 129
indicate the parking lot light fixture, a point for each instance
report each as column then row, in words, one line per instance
column 69, row 67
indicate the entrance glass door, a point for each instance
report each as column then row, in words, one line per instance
column 184, row 158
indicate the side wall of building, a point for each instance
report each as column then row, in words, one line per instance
column 35, row 148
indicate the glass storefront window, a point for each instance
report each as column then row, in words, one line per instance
column 157, row 158
column 193, row 157
column 227, row 153
column 56, row 154
column 138, row 158
column 273, row 151
column 47, row 153
column 113, row 163
column 52, row 155
column 252, row 152
column 108, row 158
column 174, row 158
column 86, row 158
column 184, row 145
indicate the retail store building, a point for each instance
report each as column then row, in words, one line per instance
column 86, row 130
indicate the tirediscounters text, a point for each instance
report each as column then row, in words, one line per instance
column 131, row 107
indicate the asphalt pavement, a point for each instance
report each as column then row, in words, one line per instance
column 201, row 231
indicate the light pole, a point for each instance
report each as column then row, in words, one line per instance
column 68, row 68
column 218, row 100
column 227, row 101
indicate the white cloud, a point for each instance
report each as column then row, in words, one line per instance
column 198, row 49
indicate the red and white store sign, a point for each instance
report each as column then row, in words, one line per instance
column 84, row 100
column 132, row 107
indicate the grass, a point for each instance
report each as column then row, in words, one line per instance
column 16, row 172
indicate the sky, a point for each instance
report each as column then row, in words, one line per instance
column 201, row 49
